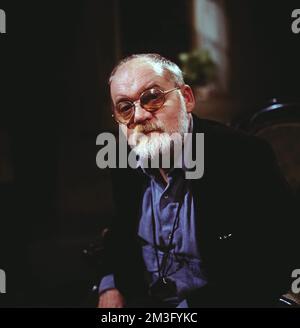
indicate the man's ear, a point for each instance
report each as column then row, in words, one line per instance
column 189, row 98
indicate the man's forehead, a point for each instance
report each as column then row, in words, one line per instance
column 138, row 65
column 135, row 74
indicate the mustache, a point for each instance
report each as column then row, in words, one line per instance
column 148, row 127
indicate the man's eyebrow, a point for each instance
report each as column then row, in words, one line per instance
column 149, row 86
column 144, row 88
column 122, row 98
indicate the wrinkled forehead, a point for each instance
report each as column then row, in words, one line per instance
column 136, row 75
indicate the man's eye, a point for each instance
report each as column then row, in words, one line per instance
column 151, row 95
column 152, row 98
column 124, row 106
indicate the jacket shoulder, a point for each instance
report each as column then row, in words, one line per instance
column 221, row 138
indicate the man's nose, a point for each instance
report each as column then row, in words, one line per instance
column 141, row 114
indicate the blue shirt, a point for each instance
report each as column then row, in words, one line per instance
column 184, row 263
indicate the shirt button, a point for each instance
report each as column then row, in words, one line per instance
column 170, row 236
column 166, row 196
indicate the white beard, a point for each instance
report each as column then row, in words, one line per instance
column 160, row 141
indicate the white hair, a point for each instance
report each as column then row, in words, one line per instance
column 165, row 64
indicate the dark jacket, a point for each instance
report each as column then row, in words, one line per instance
column 243, row 220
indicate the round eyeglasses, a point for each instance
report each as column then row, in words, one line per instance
column 151, row 100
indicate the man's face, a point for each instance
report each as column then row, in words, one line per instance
column 147, row 130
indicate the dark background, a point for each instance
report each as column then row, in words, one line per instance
column 54, row 64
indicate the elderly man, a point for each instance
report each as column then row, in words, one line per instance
column 177, row 242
